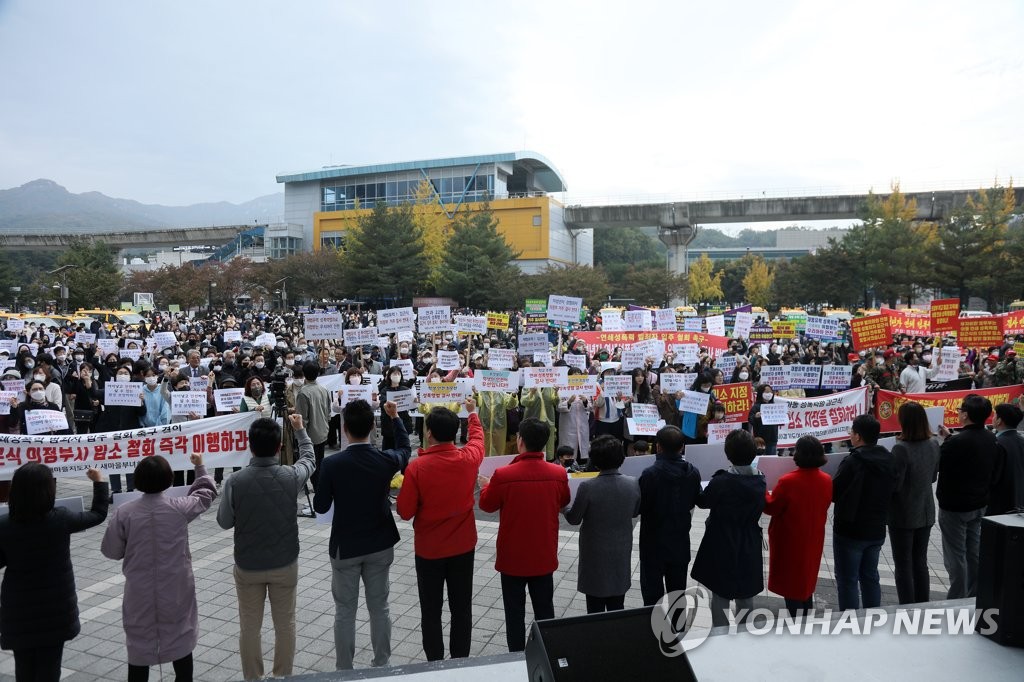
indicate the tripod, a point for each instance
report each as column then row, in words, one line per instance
column 277, row 412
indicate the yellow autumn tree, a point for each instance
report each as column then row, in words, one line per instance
column 702, row 285
column 757, row 283
column 436, row 228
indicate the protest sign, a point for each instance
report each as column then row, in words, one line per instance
column 406, row 366
column 265, row 340
column 610, row 340
column 775, row 376
column 544, row 377
column 828, row 418
column 232, row 336
column 490, row 380
column 5, row 400
column 497, row 321
column 718, row 432
column 45, row 421
column 440, row 392
column 544, row 358
column 123, row 393
column 14, row 324
column 693, row 324
column 773, row 414
column 888, row 403
column 223, row 441
column 165, row 339
column 741, row 327
column 107, row 347
column 637, row 320
column 434, row 319
column 645, row 420
column 13, row 385
column 835, row 376
column 954, row 385
column 447, row 360
column 784, row 329
column 564, row 309
column 367, row 336
column 908, row 322
column 761, row 333
column 579, row 385
column 577, row 361
column 89, row 339
column 186, row 402
column 632, row 358
column 673, row 382
column 618, row 384
column 980, row 332
column 323, row 326
column 227, row 399
column 726, row 363
column 686, row 353
column 131, row 353
column 665, row 319
column 501, row 358
column 944, row 313
column 470, row 324
column 695, row 402
column 1013, row 323
column 536, row 314
column 350, row 393
column 948, row 363
column 533, row 343
column 803, row 376
column 737, row 398
column 822, row 328
column 870, row 332
column 715, row 325
column 198, row 383
column 611, row 320
column 394, row 320
column 404, row 399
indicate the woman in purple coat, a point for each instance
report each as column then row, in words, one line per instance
column 161, row 619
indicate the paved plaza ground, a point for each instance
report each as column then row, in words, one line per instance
column 98, row 653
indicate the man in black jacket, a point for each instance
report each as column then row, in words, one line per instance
column 1008, row 495
column 862, row 490
column 668, row 494
column 969, row 466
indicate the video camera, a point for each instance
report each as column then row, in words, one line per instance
column 278, row 386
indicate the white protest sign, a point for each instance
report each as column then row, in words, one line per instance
column 198, row 383
column 544, row 358
column 637, row 320
column 15, row 385
column 107, row 347
column 404, row 399
column 440, row 392
column 693, row 324
column 686, row 353
column 123, row 393
column 227, row 399
column 715, row 325
column 544, row 377
column 501, row 358
column 574, row 360
column 403, row 336
column 694, row 402
column 232, row 336
column 265, row 339
column 395, row 320
column 803, row 376
column 564, row 309
column 836, row 376
column 645, row 420
column 774, row 413
column 533, row 343
column 726, row 363
column 611, row 320
column 618, row 384
column 406, row 367
column 579, row 385
column 632, row 358
column 949, row 367
column 323, row 326
column 717, row 432
column 87, row 339
column 15, row 325
column 824, row 328
column 367, row 336
column 775, row 376
column 742, row 326
column 9, row 345
column 447, row 360
column 186, row 402
column 935, row 417
column 5, row 400
column 350, row 393
column 471, row 324
column 665, row 319
column 168, row 339
column 434, row 319
column 490, row 380
column 652, row 348
column 673, row 382
column 827, row 418
column 45, row 421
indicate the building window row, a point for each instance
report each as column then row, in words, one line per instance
column 366, row 195
column 282, row 247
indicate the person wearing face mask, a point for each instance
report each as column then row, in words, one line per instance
column 767, row 432
column 120, row 418
column 255, row 398
column 353, row 377
column 260, row 369
column 84, row 394
column 41, row 373
column 392, row 382
column 742, row 372
column 695, row 426
column 36, row 400
column 157, row 406
column 884, row 374
column 25, row 363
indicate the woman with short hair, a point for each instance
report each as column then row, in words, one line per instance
column 159, row 612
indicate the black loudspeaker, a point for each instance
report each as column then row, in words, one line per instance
column 1001, row 579
column 615, row 645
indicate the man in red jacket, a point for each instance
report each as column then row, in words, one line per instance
column 438, row 492
column 530, row 492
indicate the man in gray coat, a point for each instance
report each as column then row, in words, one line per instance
column 313, row 403
column 260, row 503
column 606, row 506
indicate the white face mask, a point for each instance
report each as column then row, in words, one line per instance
column 38, row 395
column 39, row 377
column 879, row 361
column 289, row 382
column 260, row 365
column 395, row 378
column 29, row 364
column 289, row 363
column 927, row 357
column 123, row 377
column 79, row 358
column 744, row 375
column 299, row 382
column 767, row 396
column 355, row 380
column 150, row 381
column 164, row 366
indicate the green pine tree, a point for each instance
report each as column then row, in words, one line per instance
column 477, row 268
column 384, row 255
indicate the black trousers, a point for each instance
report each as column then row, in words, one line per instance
column 910, row 563
column 432, row 575
column 184, row 477
column 182, row 671
column 799, row 608
column 658, row 577
column 318, row 454
column 513, row 596
column 602, row 604
column 333, row 430
column 38, row 664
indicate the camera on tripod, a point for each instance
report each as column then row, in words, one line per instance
column 278, row 386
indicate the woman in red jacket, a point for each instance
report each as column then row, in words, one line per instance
column 798, row 506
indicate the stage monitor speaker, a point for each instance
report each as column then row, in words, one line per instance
column 1001, row 577
column 616, row 645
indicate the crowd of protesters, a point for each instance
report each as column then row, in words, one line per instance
column 877, row 492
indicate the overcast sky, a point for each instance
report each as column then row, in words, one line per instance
column 188, row 101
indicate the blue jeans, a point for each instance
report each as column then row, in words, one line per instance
column 856, row 561
column 961, row 541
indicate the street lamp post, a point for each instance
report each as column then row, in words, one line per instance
column 284, row 292
column 209, row 298
column 63, row 272
column 16, row 291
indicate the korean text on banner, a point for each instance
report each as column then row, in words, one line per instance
column 715, row 325
column 718, row 432
column 533, row 343
column 774, row 414
column 441, row 392
column 577, row 361
column 738, row 398
column 564, row 309
column 618, row 384
column 501, row 358
column 980, row 332
column 350, row 394
column 198, row 383
column 741, row 328
column 89, row 339
column 404, row 399
column 665, row 319
column 5, row 400
column 1013, row 323
column 394, row 320
column 265, row 340
column 784, row 329
column 695, row 402
column 471, row 324
column 603, row 339
column 645, row 420
column 637, row 320
column 490, row 380
column 434, row 319
column 944, row 313
column 447, row 360
column 579, row 385
column 544, row 377
column 232, row 335
column 870, row 332
column 822, row 328
column 45, row 421
column 223, row 441
column 367, row 336
column 828, row 417
column 497, row 321
column 228, row 399
column 406, row 366
column 163, row 339
column 803, row 376
column 323, row 326
column 122, row 393
column 775, row 376
column 836, row 376
column 673, row 382
column 909, row 323
column 888, row 403
column 184, row 403
column 948, row 363
column 611, row 320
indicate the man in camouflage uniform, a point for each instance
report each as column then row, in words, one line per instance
column 1008, row 372
column 886, row 375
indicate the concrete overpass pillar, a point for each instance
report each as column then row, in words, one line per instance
column 676, row 233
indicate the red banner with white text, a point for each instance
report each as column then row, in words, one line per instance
column 888, row 403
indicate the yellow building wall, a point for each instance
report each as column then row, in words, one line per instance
column 516, row 218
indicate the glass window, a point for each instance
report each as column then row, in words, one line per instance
column 392, row 192
column 459, row 184
column 446, row 188
column 360, row 191
column 328, row 195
